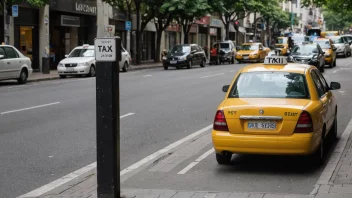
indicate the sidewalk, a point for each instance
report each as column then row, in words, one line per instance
column 38, row 76
column 334, row 182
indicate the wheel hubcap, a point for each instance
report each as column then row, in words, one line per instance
column 92, row 71
column 23, row 76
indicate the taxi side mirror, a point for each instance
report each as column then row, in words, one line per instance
column 335, row 85
column 225, row 88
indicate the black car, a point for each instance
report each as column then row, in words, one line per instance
column 310, row 53
column 184, row 55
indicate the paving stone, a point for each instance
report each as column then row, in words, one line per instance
column 183, row 195
column 324, row 189
column 256, row 195
column 199, row 195
column 239, row 195
column 223, row 195
column 168, row 194
column 340, row 189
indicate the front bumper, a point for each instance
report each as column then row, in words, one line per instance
column 247, row 58
column 328, row 59
column 183, row 63
column 296, row 144
column 79, row 70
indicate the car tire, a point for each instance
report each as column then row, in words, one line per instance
column 62, row 76
column 189, row 66
column 319, row 154
column 322, row 68
column 125, row 66
column 203, row 63
column 166, row 67
column 23, row 77
column 223, row 159
column 345, row 54
column 333, row 130
column 91, row 71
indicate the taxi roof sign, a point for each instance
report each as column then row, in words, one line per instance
column 275, row 60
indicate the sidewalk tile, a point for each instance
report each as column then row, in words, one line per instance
column 239, row 195
column 298, row 196
column 199, row 195
column 168, row 194
column 183, row 195
column 273, row 196
column 340, row 189
column 256, row 195
column 223, row 195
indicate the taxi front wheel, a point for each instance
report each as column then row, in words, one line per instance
column 223, row 158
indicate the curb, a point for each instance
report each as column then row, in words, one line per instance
column 43, row 79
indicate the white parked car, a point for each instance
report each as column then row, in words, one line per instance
column 14, row 65
column 81, row 61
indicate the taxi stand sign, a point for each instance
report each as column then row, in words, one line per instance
column 275, row 60
column 107, row 56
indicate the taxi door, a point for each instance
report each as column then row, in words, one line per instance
column 323, row 112
column 329, row 96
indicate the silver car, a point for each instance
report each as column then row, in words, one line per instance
column 14, row 65
column 343, row 47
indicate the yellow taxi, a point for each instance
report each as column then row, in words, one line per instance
column 330, row 50
column 329, row 33
column 276, row 108
column 282, row 45
column 251, row 52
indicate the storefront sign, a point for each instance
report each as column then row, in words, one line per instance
column 128, row 25
column 216, row 23
column 89, row 9
column 15, row 11
column 173, row 28
column 105, row 49
column 203, row 21
column 71, row 21
column 213, row 31
column 193, row 29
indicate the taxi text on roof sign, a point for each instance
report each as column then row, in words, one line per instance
column 275, row 60
column 105, row 49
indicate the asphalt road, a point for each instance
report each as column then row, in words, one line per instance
column 48, row 130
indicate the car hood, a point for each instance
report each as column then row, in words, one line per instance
column 245, row 51
column 302, row 56
column 77, row 60
column 171, row 55
column 339, row 45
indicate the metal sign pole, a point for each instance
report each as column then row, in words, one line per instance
column 108, row 117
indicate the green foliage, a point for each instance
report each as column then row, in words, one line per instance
column 336, row 5
column 35, row 3
column 337, row 20
column 188, row 10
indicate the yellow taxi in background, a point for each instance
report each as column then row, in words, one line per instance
column 282, row 45
column 330, row 50
column 276, row 108
column 251, row 52
column 329, row 33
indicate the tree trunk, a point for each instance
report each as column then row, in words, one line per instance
column 227, row 30
column 138, row 34
column 268, row 32
column 185, row 34
column 159, row 34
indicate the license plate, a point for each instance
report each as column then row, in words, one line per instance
column 69, row 69
column 245, row 57
column 262, row 125
column 173, row 62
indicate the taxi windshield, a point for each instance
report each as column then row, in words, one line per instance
column 82, row 53
column 270, row 85
column 323, row 44
column 250, row 47
column 304, row 49
column 281, row 41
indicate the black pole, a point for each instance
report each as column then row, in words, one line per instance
column 108, row 126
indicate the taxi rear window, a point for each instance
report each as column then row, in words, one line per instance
column 270, row 85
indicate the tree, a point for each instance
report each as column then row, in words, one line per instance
column 337, row 20
column 337, row 5
column 35, row 3
column 186, row 12
column 162, row 19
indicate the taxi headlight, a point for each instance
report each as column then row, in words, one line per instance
column 61, row 65
column 327, row 55
column 83, row 64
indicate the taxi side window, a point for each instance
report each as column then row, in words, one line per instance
column 318, row 86
column 322, row 80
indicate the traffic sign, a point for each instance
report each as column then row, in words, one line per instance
column 128, row 25
column 105, row 49
column 15, row 11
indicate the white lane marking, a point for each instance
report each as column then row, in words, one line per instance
column 164, row 150
column 191, row 165
column 129, row 114
column 329, row 170
column 147, row 76
column 34, row 107
column 48, row 187
column 348, row 64
column 212, row 75
column 65, row 179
